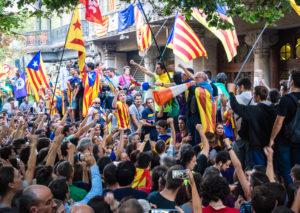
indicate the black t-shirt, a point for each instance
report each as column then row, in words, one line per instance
column 215, row 90
column 287, row 108
column 120, row 193
column 160, row 201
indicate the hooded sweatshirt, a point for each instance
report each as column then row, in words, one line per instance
column 260, row 117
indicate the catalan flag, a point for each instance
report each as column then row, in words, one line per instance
column 91, row 90
column 75, row 41
column 135, row 82
column 207, row 108
column 123, row 115
column 143, row 33
column 101, row 29
column 142, row 178
column 295, row 6
column 37, row 75
column 112, row 5
column 227, row 37
column 184, row 41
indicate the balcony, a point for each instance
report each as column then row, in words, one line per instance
column 51, row 37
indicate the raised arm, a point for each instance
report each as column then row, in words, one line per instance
column 238, row 169
column 56, row 143
column 121, row 144
column 196, row 200
column 188, row 73
column 114, row 103
column 32, row 159
column 143, row 69
column 63, row 120
column 171, row 149
column 82, row 130
column 41, row 124
column 270, row 169
column 205, row 150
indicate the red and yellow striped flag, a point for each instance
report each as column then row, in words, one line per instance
column 142, row 178
column 37, row 75
column 228, row 37
column 112, row 5
column 143, row 33
column 184, row 42
column 207, row 109
column 91, row 90
column 123, row 115
column 101, row 29
column 75, row 41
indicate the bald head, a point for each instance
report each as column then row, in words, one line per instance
column 200, row 77
column 81, row 208
column 97, row 102
column 37, row 198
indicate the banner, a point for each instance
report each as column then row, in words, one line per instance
column 20, row 89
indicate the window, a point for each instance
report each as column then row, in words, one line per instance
column 285, row 52
column 297, row 49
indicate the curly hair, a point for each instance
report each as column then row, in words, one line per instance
column 213, row 189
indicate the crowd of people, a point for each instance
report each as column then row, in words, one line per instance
column 130, row 155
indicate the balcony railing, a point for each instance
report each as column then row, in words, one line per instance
column 54, row 36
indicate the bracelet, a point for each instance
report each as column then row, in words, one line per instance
column 229, row 149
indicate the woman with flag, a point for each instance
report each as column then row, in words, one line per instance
column 51, row 104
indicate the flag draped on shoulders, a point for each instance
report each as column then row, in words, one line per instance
column 184, row 42
column 206, row 106
column 142, row 179
column 75, row 41
column 37, row 75
column 123, row 115
column 227, row 37
column 111, row 85
column 143, row 33
column 91, row 90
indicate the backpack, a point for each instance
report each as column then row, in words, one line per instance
column 292, row 129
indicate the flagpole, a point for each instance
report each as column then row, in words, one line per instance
column 62, row 55
column 160, row 55
column 249, row 54
column 151, row 44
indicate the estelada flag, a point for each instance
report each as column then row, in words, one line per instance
column 207, row 108
column 91, row 90
column 75, row 41
column 92, row 11
column 37, row 75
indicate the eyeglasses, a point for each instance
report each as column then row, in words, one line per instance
column 96, row 102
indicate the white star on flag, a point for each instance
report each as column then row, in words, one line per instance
column 35, row 64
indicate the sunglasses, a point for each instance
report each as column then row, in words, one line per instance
column 96, row 102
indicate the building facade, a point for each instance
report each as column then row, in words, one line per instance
column 277, row 51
